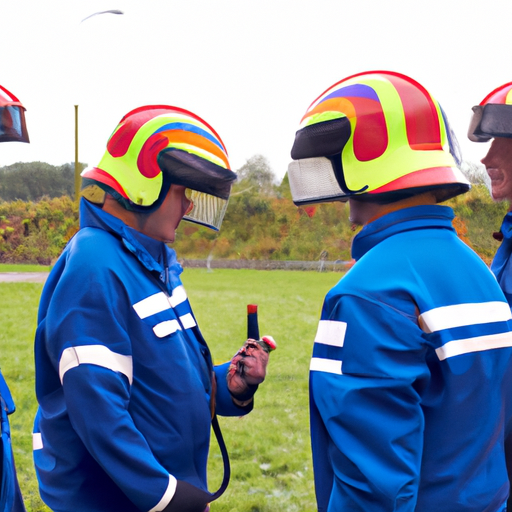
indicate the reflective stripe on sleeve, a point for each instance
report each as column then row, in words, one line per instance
column 460, row 315
column 152, row 305
column 169, row 326
column 160, row 302
column 178, row 296
column 478, row 344
column 325, row 365
column 98, row 355
column 165, row 328
column 331, row 332
column 187, row 321
column 167, row 497
column 37, row 441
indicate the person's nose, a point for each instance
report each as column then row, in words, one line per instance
column 487, row 159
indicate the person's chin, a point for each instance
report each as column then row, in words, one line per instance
column 165, row 239
column 497, row 192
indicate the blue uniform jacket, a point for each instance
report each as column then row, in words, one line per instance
column 411, row 375
column 502, row 262
column 123, row 375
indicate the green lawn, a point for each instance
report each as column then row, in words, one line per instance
column 7, row 267
column 269, row 449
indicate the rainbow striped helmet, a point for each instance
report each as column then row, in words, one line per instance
column 379, row 135
column 493, row 117
column 155, row 146
column 12, row 118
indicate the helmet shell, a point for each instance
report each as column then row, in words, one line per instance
column 493, row 116
column 382, row 133
column 139, row 165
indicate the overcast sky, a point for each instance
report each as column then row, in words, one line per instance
column 249, row 68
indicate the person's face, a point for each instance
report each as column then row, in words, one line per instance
column 162, row 223
column 498, row 163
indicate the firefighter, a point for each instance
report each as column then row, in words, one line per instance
column 411, row 365
column 492, row 120
column 124, row 379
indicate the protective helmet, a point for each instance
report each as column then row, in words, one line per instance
column 379, row 136
column 493, row 117
column 12, row 118
column 155, row 146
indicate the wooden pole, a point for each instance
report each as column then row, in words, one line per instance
column 77, row 169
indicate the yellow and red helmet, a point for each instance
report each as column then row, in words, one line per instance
column 155, row 146
column 12, row 118
column 376, row 135
column 493, row 117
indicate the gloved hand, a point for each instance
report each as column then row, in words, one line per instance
column 188, row 498
column 248, row 368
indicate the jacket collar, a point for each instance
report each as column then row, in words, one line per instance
column 506, row 226
column 153, row 254
column 399, row 221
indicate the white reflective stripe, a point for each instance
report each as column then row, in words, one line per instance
column 160, row 302
column 187, row 321
column 37, row 441
column 167, row 497
column 325, row 365
column 165, row 328
column 152, row 305
column 98, row 355
column 460, row 315
column 178, row 296
column 478, row 344
column 169, row 326
column 330, row 332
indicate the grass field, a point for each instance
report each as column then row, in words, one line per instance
column 6, row 267
column 269, row 449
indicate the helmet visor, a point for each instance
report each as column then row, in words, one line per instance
column 312, row 180
column 489, row 121
column 205, row 209
column 12, row 124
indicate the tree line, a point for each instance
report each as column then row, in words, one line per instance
column 31, row 181
column 38, row 215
